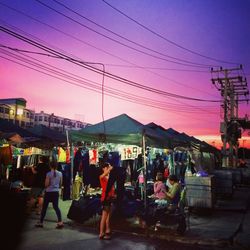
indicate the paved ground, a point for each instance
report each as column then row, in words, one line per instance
column 78, row 237
column 227, row 225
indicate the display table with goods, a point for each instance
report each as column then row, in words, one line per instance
column 87, row 206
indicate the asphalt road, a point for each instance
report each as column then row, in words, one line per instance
column 77, row 237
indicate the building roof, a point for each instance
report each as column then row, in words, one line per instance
column 19, row 101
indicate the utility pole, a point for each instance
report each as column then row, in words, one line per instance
column 232, row 86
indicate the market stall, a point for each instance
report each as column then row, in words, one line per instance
column 123, row 138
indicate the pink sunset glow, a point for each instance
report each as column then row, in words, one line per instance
column 61, row 87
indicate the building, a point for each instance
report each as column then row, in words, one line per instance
column 14, row 109
column 57, row 122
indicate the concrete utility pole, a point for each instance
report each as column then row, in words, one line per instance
column 232, row 86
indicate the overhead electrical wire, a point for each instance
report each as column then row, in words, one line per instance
column 156, row 68
column 94, row 69
column 62, row 72
column 166, row 39
column 126, row 39
column 133, row 65
column 79, row 63
column 123, row 95
column 120, row 37
column 168, row 97
column 119, row 42
column 114, row 33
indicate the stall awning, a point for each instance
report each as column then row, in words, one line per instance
column 120, row 129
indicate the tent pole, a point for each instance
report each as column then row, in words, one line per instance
column 71, row 169
column 71, row 149
column 67, row 136
column 145, row 169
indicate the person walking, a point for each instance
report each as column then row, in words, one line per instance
column 53, row 183
column 106, row 199
column 37, row 190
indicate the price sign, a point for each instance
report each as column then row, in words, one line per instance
column 129, row 153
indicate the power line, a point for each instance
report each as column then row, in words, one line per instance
column 166, row 39
column 121, row 43
column 155, row 68
column 94, row 69
column 134, row 65
column 92, row 83
column 126, row 39
column 90, row 87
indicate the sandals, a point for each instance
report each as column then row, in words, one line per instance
column 59, row 226
column 39, row 224
column 101, row 237
column 106, row 236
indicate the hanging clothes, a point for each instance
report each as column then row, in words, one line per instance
column 77, row 187
column 68, row 155
column 93, row 156
column 81, row 165
column 66, row 171
column 5, row 155
column 61, row 155
column 114, row 158
column 76, row 162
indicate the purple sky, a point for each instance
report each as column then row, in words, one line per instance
column 180, row 30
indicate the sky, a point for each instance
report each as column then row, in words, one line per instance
column 157, row 58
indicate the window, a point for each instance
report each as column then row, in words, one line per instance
column 28, row 115
column 7, row 111
column 36, row 119
column 45, row 118
column 1, row 110
column 31, row 116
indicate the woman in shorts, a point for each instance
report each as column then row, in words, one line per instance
column 106, row 200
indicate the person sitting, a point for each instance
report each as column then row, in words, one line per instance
column 159, row 195
column 173, row 195
column 172, row 198
column 159, row 188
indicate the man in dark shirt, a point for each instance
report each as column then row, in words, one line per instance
column 37, row 190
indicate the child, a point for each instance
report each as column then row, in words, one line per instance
column 106, row 202
column 159, row 188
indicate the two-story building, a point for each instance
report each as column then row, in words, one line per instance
column 57, row 122
column 14, row 110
